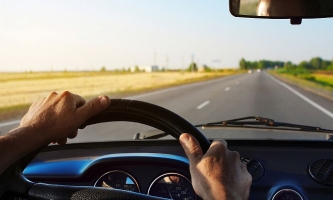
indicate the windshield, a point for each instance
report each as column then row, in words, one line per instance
column 191, row 57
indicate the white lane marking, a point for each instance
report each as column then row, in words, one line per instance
column 227, row 89
column 9, row 123
column 203, row 105
column 324, row 110
column 152, row 93
column 179, row 87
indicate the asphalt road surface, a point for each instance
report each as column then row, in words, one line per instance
column 257, row 94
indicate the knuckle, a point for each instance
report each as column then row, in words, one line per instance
column 222, row 142
column 193, row 149
column 91, row 107
column 243, row 166
column 52, row 94
column 235, row 155
column 219, row 145
column 66, row 94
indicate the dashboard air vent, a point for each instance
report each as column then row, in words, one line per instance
column 322, row 171
column 254, row 167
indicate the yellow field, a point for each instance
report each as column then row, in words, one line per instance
column 24, row 88
column 324, row 79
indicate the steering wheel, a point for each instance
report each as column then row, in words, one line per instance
column 13, row 181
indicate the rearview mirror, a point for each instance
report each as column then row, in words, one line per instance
column 282, row 9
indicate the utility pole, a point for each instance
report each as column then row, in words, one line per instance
column 154, row 58
column 166, row 62
column 216, row 61
column 192, row 63
column 182, row 63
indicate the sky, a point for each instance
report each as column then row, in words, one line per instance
column 39, row 35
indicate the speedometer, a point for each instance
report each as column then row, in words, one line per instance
column 118, row 180
column 172, row 186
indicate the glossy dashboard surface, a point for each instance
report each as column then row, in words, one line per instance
column 285, row 164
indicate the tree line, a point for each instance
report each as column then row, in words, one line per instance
column 316, row 63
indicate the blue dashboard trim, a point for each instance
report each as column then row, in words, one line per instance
column 74, row 168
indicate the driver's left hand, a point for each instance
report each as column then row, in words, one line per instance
column 58, row 116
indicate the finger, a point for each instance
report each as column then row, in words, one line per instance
column 62, row 141
column 50, row 96
column 91, row 108
column 222, row 141
column 243, row 167
column 73, row 135
column 191, row 147
column 79, row 101
column 218, row 147
column 69, row 97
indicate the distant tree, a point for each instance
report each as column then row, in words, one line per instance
column 193, row 67
column 206, row 68
column 330, row 67
column 253, row 65
column 103, row 69
column 242, row 64
column 261, row 64
column 136, row 69
column 304, row 65
column 316, row 63
column 325, row 64
column 288, row 65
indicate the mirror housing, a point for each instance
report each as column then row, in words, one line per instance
column 296, row 10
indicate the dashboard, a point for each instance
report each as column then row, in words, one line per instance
column 281, row 170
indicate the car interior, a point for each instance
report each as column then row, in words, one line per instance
column 154, row 167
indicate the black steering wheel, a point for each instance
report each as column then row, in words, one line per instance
column 12, row 180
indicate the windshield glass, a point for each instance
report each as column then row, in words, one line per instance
column 191, row 57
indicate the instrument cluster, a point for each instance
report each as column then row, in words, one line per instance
column 168, row 185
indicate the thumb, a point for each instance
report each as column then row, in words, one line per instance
column 191, row 147
column 92, row 107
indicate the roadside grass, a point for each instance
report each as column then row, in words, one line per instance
column 19, row 90
column 325, row 80
column 315, row 80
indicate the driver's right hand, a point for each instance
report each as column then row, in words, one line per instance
column 218, row 174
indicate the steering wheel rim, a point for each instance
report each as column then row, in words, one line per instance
column 13, row 181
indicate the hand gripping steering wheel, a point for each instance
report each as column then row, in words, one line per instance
column 14, row 182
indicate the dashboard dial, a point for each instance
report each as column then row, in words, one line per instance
column 172, row 186
column 118, row 180
column 287, row 194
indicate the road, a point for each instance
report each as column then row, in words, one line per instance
column 257, row 94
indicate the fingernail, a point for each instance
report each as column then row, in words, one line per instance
column 103, row 101
column 184, row 138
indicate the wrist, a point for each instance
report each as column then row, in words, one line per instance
column 221, row 193
column 33, row 135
